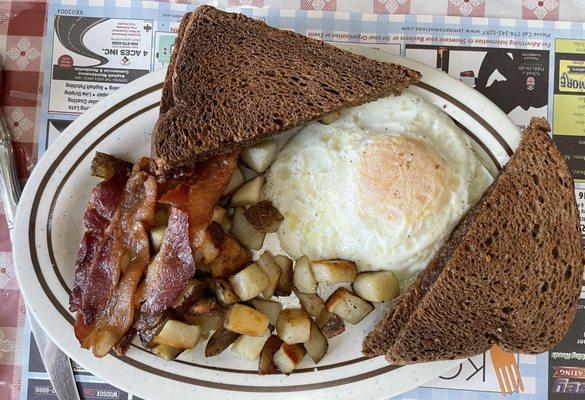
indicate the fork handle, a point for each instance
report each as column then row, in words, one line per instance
column 8, row 177
column 9, row 182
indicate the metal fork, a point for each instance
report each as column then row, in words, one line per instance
column 56, row 362
column 507, row 371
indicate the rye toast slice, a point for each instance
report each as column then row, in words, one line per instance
column 236, row 81
column 509, row 274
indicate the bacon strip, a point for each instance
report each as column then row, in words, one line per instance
column 113, row 276
column 102, row 203
column 202, row 196
column 171, row 267
column 191, row 213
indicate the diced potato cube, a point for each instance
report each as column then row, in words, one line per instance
column 106, row 165
column 311, row 303
column 303, row 277
column 288, row 357
column 259, row 156
column 236, row 181
column 192, row 291
column 220, row 216
column 210, row 247
column 167, row 352
column 284, row 286
column 249, row 282
column 334, row 271
column 245, row 320
column 156, row 236
column 244, row 232
column 317, row 345
column 221, row 339
column 376, row 286
column 269, row 308
column 329, row 324
column 232, row 258
column 348, row 306
column 330, row 118
column 208, row 322
column 204, row 305
column 272, row 270
column 264, row 216
column 266, row 364
column 178, row 334
column 249, row 193
column 250, row 346
column 293, row 325
column 224, row 292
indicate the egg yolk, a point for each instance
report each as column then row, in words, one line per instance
column 401, row 179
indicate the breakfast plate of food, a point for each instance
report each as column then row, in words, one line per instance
column 276, row 217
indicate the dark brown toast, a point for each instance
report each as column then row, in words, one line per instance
column 235, row 81
column 509, row 274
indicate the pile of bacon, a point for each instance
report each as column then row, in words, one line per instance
column 121, row 286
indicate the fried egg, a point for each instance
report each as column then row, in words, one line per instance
column 382, row 186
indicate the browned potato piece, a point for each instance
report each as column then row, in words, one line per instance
column 264, row 217
column 334, row 271
column 245, row 320
column 237, row 180
column 348, row 306
column 220, row 216
column 376, row 286
column 208, row 322
column 204, row 305
column 330, row 118
column 192, row 291
column 156, row 236
column 249, row 193
column 259, row 156
column 105, row 165
column 232, row 258
column 293, row 325
column 250, row 346
column 219, row 341
column 311, row 303
column 266, row 364
column 288, row 357
column 249, row 282
column 224, row 292
column 284, row 285
column 330, row 324
column 167, row 352
column 210, row 247
column 303, row 278
column 273, row 272
column 270, row 308
column 245, row 232
column 178, row 334
column 317, row 345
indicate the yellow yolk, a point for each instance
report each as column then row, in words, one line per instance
column 401, row 178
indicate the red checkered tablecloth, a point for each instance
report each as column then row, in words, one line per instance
column 22, row 31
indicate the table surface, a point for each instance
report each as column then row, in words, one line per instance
column 22, row 29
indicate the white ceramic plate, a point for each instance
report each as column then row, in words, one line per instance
column 49, row 227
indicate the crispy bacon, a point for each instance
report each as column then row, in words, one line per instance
column 102, row 203
column 200, row 197
column 172, row 266
column 191, row 213
column 111, row 279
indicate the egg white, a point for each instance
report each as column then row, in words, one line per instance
column 315, row 183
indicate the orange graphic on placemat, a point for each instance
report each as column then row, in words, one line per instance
column 507, row 371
